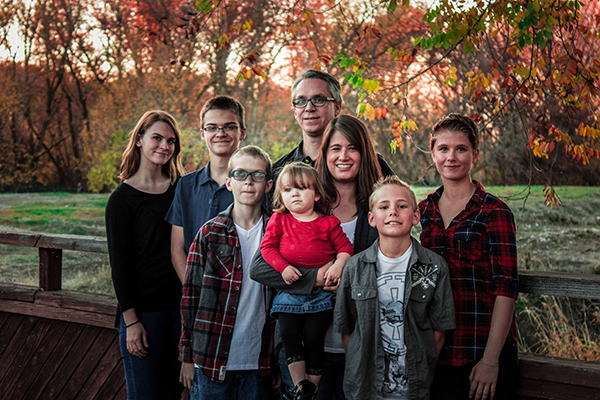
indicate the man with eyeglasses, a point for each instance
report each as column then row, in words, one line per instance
column 317, row 99
column 202, row 194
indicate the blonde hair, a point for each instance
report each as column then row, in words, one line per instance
column 392, row 180
column 131, row 156
column 300, row 175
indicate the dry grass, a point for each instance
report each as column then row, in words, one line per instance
column 561, row 327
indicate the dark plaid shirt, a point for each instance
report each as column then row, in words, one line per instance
column 481, row 251
column 211, row 292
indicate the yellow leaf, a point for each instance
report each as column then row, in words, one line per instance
column 370, row 112
column 412, row 125
column 374, row 86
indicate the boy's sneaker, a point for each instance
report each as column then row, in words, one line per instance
column 305, row 390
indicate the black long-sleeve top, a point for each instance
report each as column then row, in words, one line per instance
column 139, row 246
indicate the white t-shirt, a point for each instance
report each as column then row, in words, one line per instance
column 333, row 340
column 250, row 317
column 391, row 278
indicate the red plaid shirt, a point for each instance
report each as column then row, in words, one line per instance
column 211, row 292
column 481, row 251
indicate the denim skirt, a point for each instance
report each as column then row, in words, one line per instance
column 319, row 300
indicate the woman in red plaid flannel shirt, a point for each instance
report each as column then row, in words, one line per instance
column 475, row 233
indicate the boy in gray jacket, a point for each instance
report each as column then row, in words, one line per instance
column 393, row 304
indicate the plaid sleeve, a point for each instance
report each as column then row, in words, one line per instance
column 502, row 244
column 192, row 287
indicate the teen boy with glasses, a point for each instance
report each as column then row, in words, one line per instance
column 202, row 194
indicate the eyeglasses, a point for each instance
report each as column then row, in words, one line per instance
column 317, row 101
column 226, row 128
column 241, row 175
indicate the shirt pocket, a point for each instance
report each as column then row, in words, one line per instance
column 222, row 259
column 470, row 241
column 418, row 308
column 365, row 300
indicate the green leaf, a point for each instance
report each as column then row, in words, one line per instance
column 337, row 58
column 393, row 5
column 417, row 41
column 389, row 50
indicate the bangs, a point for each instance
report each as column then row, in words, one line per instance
column 295, row 178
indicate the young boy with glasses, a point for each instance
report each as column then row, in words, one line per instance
column 201, row 195
column 227, row 334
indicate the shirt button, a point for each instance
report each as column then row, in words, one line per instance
column 229, row 330
column 233, row 308
column 360, row 294
column 237, row 288
column 220, row 251
column 239, row 267
column 225, row 352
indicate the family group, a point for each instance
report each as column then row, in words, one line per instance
column 300, row 279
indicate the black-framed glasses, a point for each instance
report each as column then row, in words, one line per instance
column 317, row 101
column 226, row 128
column 241, row 175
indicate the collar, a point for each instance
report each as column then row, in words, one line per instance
column 419, row 254
column 230, row 225
column 476, row 199
column 204, row 175
column 298, row 154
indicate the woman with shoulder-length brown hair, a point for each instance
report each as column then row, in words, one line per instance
column 147, row 287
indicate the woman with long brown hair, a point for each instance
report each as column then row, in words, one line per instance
column 139, row 239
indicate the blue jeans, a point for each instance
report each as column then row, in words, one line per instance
column 238, row 385
column 156, row 376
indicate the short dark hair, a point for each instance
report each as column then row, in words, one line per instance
column 332, row 83
column 456, row 123
column 227, row 103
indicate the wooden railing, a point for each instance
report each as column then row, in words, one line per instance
column 540, row 377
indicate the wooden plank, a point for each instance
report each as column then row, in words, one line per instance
column 16, row 367
column 549, row 390
column 70, row 363
column 73, row 242
column 61, row 314
column 13, row 291
column 16, row 342
column 86, row 368
column 579, row 286
column 559, row 370
column 3, row 318
column 113, row 386
column 67, row 242
column 122, row 394
column 50, row 269
column 19, row 239
column 54, row 361
column 91, row 302
column 33, row 364
column 8, row 330
column 102, row 372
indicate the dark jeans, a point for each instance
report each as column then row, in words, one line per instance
column 452, row 383
column 156, row 376
column 331, row 386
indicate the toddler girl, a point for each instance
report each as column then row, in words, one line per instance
column 302, row 234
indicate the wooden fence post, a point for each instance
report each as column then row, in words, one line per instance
column 50, row 269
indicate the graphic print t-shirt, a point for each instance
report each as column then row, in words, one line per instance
column 391, row 278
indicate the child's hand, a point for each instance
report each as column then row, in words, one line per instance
column 186, row 375
column 290, row 274
column 333, row 275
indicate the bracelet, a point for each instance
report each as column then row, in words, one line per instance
column 132, row 324
column 488, row 365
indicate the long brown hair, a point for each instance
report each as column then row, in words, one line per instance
column 300, row 175
column 131, row 156
column 369, row 172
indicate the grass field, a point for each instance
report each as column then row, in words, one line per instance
column 563, row 239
